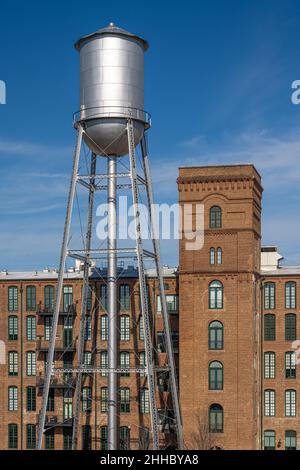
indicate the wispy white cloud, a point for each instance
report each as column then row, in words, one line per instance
column 29, row 149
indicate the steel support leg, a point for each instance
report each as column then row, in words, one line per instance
column 63, row 255
column 112, row 305
column 143, row 288
column 167, row 329
column 85, row 292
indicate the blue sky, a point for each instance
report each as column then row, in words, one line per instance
column 217, row 83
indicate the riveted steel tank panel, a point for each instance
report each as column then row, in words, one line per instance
column 111, row 89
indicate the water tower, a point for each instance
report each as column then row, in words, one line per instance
column 112, row 123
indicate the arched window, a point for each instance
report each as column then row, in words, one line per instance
column 269, row 365
column 124, row 297
column 269, row 327
column 215, row 217
column 104, row 327
column 30, row 298
column 216, row 418
column 270, row 402
column 290, row 440
column 290, row 294
column 12, row 299
column 269, row 295
column 290, row 403
column 124, row 437
column 103, row 297
column 216, row 295
column 219, row 256
column 215, row 335
column 216, row 376
column 290, row 365
column 269, row 440
column 124, row 327
column 212, row 256
column 49, row 298
column 290, row 327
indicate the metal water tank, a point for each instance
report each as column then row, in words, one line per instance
column 111, row 89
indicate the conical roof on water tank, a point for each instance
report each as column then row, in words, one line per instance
column 111, row 89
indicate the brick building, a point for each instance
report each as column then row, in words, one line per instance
column 233, row 312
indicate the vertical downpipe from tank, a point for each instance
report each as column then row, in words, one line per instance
column 112, row 304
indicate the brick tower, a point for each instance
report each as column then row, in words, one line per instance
column 219, row 309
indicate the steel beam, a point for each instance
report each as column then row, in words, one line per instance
column 112, row 305
column 62, row 262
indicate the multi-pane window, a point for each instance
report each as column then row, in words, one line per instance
column 103, row 297
column 68, row 364
column 67, row 298
column 142, row 362
column 49, row 298
column 30, row 298
column 86, row 437
column 290, row 365
column 290, row 294
column 216, row 418
column 269, row 440
column 290, row 323
column 212, row 256
column 124, row 438
column 216, row 295
column 269, row 402
column 68, row 332
column 51, row 400
column 104, row 327
column 47, row 327
column 86, row 399
column 269, row 365
column 269, row 295
column 67, row 433
column 144, row 401
column 216, row 376
column 31, row 328
column 124, row 297
column 13, row 299
column 31, row 363
column 144, row 438
column 88, row 329
column 89, row 298
column 104, row 399
column 175, row 341
column 12, row 363
column 290, row 440
column 87, row 358
column 290, row 403
column 50, row 439
column 141, row 328
column 124, row 328
column 104, row 437
column 215, row 335
column 125, row 362
column 30, row 436
column 269, row 327
column 215, row 217
column 172, row 304
column 104, row 362
column 30, row 398
column 12, row 436
column 219, row 255
column 67, row 404
column 161, row 344
column 12, row 328
column 13, row 398
column 124, row 394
